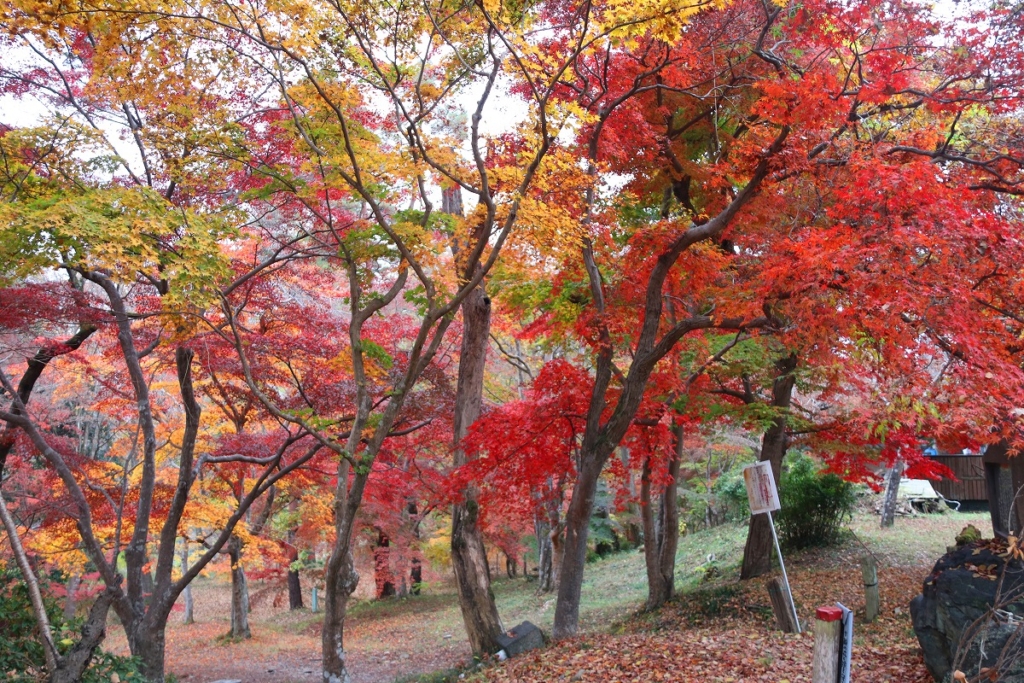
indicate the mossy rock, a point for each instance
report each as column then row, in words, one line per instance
column 969, row 534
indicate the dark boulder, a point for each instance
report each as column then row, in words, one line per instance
column 968, row 598
column 523, row 637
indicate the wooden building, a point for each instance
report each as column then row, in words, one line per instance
column 970, row 473
column 995, row 476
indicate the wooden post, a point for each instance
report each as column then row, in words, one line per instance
column 869, row 571
column 782, row 606
column 315, row 603
column 828, row 626
column 785, row 577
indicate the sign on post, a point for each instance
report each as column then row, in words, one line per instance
column 761, row 490
column 764, row 499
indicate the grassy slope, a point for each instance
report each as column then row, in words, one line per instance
column 723, row 631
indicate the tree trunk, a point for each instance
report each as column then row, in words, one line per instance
column 574, row 554
column 469, row 557
column 632, row 531
column 545, row 576
column 661, row 534
column 239, row 592
column 383, row 579
column 473, row 578
column 70, row 600
column 555, row 527
column 415, row 564
column 415, row 576
column 341, row 581
column 757, row 554
column 294, row 584
column 148, row 644
column 189, row 617
column 73, row 664
column 892, row 487
column 556, row 538
column 294, row 590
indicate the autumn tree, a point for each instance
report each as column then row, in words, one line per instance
column 137, row 238
column 719, row 133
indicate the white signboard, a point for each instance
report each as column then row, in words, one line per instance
column 761, row 491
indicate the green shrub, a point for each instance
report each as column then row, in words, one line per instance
column 21, row 652
column 814, row 505
column 726, row 502
column 732, row 495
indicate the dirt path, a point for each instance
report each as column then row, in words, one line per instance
column 384, row 641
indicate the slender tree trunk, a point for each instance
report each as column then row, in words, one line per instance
column 294, row 584
column 239, row 592
column 661, row 533
column 294, row 590
column 632, row 530
column 67, row 668
column 556, row 531
column 384, row 580
column 416, row 566
column 71, row 599
column 757, row 554
column 341, row 581
column 416, row 576
column 556, row 537
column 239, row 583
column 545, row 576
column 189, row 617
column 469, row 557
column 892, row 487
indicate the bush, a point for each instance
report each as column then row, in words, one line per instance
column 726, row 502
column 732, row 495
column 21, row 652
column 814, row 505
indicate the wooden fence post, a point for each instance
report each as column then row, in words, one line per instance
column 869, row 571
column 782, row 606
column 828, row 626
